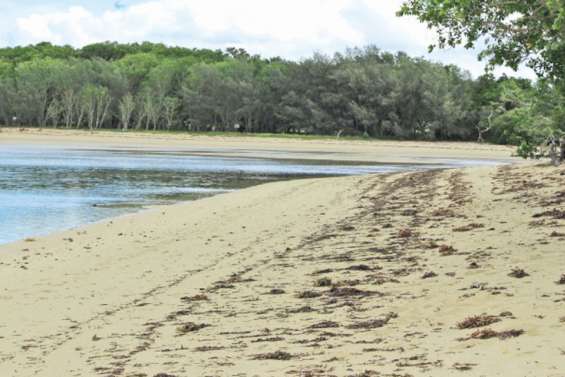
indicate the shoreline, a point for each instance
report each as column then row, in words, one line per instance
column 338, row 276
column 401, row 154
column 318, row 152
column 272, row 147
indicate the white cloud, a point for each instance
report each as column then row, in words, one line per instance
column 263, row 23
column 290, row 28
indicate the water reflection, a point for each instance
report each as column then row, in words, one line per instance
column 47, row 189
column 42, row 190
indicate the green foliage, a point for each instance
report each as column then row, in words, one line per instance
column 513, row 33
column 361, row 93
column 526, row 150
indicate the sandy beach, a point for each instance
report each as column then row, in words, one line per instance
column 370, row 151
column 435, row 273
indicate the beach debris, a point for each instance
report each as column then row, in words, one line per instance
column 223, row 285
column 478, row 285
column 302, row 309
column 308, row 294
column 359, row 267
column 271, row 339
column 367, row 373
column 409, row 212
column 477, row 321
column 277, row 291
column 489, row 333
column 468, row 227
column 325, row 325
column 310, row 373
column 414, row 361
column 373, row 323
column 429, row 275
column 164, row 375
column 323, row 282
column 405, row 233
column 177, row 314
column 446, row 250
column 518, row 273
column 380, row 279
column 473, row 265
column 463, row 366
column 350, row 283
column 191, row 327
column 208, row 348
column 561, row 281
column 29, row 239
column 198, row 297
column 443, row 212
column 431, row 244
column 322, row 272
column 348, row 292
column 278, row 355
column 95, row 338
column 554, row 213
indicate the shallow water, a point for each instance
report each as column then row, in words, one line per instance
column 48, row 189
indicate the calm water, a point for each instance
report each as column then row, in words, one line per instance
column 43, row 190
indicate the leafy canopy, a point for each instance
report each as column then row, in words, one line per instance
column 513, row 31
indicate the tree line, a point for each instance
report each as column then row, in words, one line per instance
column 362, row 92
column 511, row 33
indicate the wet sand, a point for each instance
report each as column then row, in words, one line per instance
column 370, row 151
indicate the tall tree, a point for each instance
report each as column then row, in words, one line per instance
column 530, row 32
column 514, row 32
column 126, row 109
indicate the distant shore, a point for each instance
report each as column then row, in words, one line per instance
column 428, row 273
column 260, row 146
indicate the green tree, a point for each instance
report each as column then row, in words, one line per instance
column 126, row 108
column 514, row 32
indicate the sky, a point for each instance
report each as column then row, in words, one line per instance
column 293, row 29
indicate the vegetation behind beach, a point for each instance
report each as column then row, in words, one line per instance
column 363, row 92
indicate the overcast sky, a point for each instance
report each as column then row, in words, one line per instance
column 291, row 28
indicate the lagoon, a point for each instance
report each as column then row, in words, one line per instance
column 46, row 189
